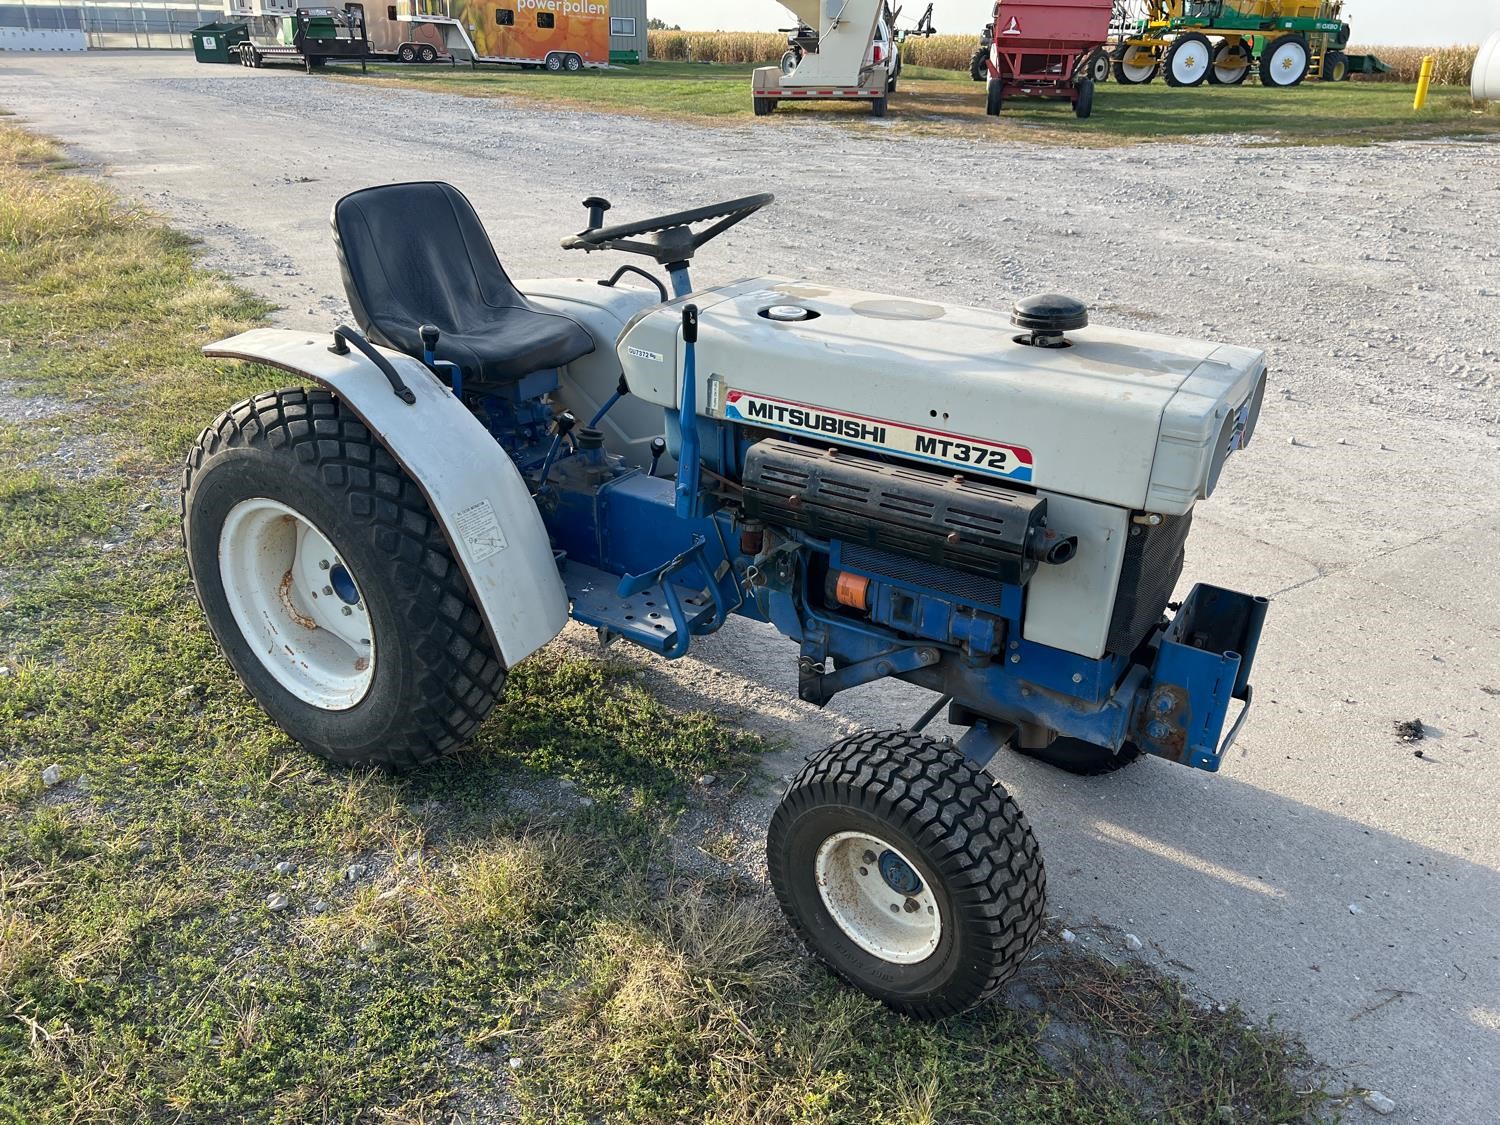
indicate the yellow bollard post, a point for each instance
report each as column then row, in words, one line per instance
column 1424, row 80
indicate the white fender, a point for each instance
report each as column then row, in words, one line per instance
column 474, row 490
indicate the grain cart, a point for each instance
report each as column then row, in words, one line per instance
column 989, row 506
column 1045, row 49
column 832, row 58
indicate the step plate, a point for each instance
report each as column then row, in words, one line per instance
column 642, row 618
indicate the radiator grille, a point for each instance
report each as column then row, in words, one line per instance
column 1153, row 564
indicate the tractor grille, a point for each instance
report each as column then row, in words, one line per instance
column 1153, row 563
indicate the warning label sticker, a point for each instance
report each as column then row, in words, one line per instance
column 954, row 451
column 478, row 527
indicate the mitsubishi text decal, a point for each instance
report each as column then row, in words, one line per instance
column 955, row 451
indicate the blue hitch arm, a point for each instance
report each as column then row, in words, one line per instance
column 688, row 475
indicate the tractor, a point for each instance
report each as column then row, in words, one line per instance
column 989, row 506
column 1223, row 42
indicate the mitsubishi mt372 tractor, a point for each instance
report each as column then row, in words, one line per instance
column 989, row 506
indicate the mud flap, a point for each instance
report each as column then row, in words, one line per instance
column 473, row 489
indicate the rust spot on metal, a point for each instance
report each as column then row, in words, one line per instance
column 362, row 663
column 285, row 593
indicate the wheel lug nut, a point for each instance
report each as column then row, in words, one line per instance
column 348, row 610
column 911, row 906
column 869, row 856
column 324, row 564
column 864, row 870
column 328, row 589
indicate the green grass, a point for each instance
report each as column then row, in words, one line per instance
column 509, row 949
column 942, row 102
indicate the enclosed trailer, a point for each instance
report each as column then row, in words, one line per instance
column 558, row 35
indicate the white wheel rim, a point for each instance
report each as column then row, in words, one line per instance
column 1287, row 62
column 1134, row 71
column 297, row 604
column 1189, row 61
column 554, row 63
column 1227, row 72
column 900, row 923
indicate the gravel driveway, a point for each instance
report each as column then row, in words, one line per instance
column 1329, row 876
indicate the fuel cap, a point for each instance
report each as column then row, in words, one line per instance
column 787, row 313
column 1047, row 316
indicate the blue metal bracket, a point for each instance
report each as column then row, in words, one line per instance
column 633, row 584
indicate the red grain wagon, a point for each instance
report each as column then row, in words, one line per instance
column 1037, row 50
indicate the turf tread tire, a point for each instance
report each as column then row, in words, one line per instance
column 455, row 677
column 963, row 823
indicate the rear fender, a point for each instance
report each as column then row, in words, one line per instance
column 473, row 489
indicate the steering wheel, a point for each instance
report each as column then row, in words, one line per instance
column 671, row 237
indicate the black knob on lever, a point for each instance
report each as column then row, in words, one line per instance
column 597, row 205
column 564, row 423
column 430, row 334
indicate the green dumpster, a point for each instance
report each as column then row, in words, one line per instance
column 216, row 42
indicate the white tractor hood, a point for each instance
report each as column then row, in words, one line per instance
column 1133, row 419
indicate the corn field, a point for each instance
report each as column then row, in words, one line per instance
column 952, row 52
column 716, row 46
column 1451, row 69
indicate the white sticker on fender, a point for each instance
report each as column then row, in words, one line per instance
column 481, row 530
column 955, row 451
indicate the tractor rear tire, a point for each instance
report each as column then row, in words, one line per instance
column 1223, row 72
column 1188, row 60
column 1135, row 74
column 1075, row 756
column 291, row 481
column 911, row 873
column 1084, row 106
column 995, row 97
column 1283, row 63
column 1097, row 66
column 979, row 65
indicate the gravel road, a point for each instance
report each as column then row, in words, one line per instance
column 1328, row 877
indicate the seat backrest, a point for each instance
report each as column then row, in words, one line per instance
column 414, row 254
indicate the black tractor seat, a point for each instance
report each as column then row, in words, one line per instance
column 415, row 254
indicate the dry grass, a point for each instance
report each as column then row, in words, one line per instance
column 1453, row 67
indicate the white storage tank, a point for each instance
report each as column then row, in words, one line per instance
column 1486, row 80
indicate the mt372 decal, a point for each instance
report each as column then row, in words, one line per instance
column 954, row 451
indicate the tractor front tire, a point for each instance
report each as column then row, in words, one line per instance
column 979, row 65
column 1335, row 67
column 911, row 873
column 1284, row 62
column 330, row 586
column 1188, row 60
column 995, row 98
